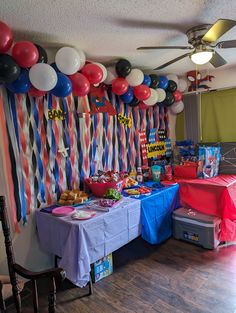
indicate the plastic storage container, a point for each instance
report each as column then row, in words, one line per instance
column 198, row 228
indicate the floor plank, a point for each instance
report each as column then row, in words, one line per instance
column 175, row 277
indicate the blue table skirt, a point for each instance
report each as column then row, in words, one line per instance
column 157, row 211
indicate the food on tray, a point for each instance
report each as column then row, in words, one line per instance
column 130, row 182
column 112, row 194
column 138, row 191
column 105, row 177
column 143, row 190
column 70, row 197
column 132, row 192
column 107, row 202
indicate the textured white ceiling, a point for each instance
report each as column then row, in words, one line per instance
column 109, row 29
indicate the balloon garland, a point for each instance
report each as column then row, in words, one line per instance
column 27, row 71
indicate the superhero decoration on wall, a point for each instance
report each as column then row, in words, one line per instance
column 99, row 102
column 196, row 81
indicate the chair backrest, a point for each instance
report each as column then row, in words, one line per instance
column 9, row 253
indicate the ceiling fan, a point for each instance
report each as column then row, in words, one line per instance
column 203, row 39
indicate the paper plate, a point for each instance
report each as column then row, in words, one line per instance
column 83, row 215
column 63, row 211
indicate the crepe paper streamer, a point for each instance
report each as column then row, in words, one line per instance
column 125, row 120
column 166, row 119
column 7, row 164
column 14, row 151
column 56, row 114
column 41, row 104
column 67, row 143
column 25, row 155
column 105, row 134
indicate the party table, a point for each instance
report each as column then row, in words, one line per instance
column 81, row 243
column 213, row 196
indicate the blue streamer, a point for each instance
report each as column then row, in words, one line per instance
column 119, row 136
column 94, row 145
column 106, row 143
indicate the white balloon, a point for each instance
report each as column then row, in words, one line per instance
column 43, row 76
column 152, row 99
column 161, row 94
column 68, row 60
column 111, row 75
column 82, row 58
column 177, row 107
column 173, row 77
column 104, row 71
column 135, row 77
column 182, row 85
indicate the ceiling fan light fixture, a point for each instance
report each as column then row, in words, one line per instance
column 201, row 57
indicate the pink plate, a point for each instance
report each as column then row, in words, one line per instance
column 63, row 211
column 83, row 215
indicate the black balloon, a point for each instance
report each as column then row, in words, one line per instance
column 172, row 86
column 134, row 102
column 154, row 81
column 43, row 57
column 169, row 100
column 123, row 68
column 9, row 69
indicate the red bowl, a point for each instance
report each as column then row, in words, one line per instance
column 99, row 189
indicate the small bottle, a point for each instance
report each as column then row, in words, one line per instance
column 139, row 175
column 132, row 174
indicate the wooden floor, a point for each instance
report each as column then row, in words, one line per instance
column 173, row 277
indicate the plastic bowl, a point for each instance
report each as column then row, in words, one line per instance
column 99, row 189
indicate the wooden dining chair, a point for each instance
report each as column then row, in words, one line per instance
column 54, row 275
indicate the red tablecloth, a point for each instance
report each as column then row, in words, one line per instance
column 213, row 196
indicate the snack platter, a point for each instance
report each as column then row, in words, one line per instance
column 138, row 191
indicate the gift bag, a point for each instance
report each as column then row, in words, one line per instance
column 208, row 161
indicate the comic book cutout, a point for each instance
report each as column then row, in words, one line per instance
column 143, row 141
column 161, row 134
column 152, row 135
column 99, row 102
column 208, row 161
column 127, row 121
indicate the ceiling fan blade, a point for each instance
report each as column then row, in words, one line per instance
column 217, row 60
column 226, row 44
column 172, row 61
column 165, row 47
column 218, row 29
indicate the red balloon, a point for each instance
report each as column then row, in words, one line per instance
column 80, row 84
column 178, row 95
column 6, row 37
column 35, row 92
column 143, row 106
column 93, row 73
column 120, row 86
column 25, row 53
column 142, row 92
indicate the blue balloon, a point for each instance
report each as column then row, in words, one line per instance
column 128, row 96
column 53, row 65
column 21, row 84
column 63, row 87
column 147, row 80
column 163, row 82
